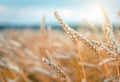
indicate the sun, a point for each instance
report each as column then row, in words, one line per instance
column 94, row 14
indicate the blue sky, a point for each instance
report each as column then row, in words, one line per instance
column 32, row 11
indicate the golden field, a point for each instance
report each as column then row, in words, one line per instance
column 48, row 55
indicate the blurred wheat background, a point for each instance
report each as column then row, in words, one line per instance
column 37, row 45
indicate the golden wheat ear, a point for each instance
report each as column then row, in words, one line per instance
column 104, row 46
column 74, row 35
column 55, row 68
column 108, row 30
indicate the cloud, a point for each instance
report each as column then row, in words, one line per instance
column 3, row 9
column 36, row 13
column 30, row 12
column 69, row 14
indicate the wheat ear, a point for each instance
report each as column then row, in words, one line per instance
column 56, row 68
column 104, row 46
column 74, row 35
column 108, row 30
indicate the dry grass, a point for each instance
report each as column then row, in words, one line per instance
column 48, row 55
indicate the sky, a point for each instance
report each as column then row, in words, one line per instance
column 32, row 11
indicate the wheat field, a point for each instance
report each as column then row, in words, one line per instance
column 48, row 55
